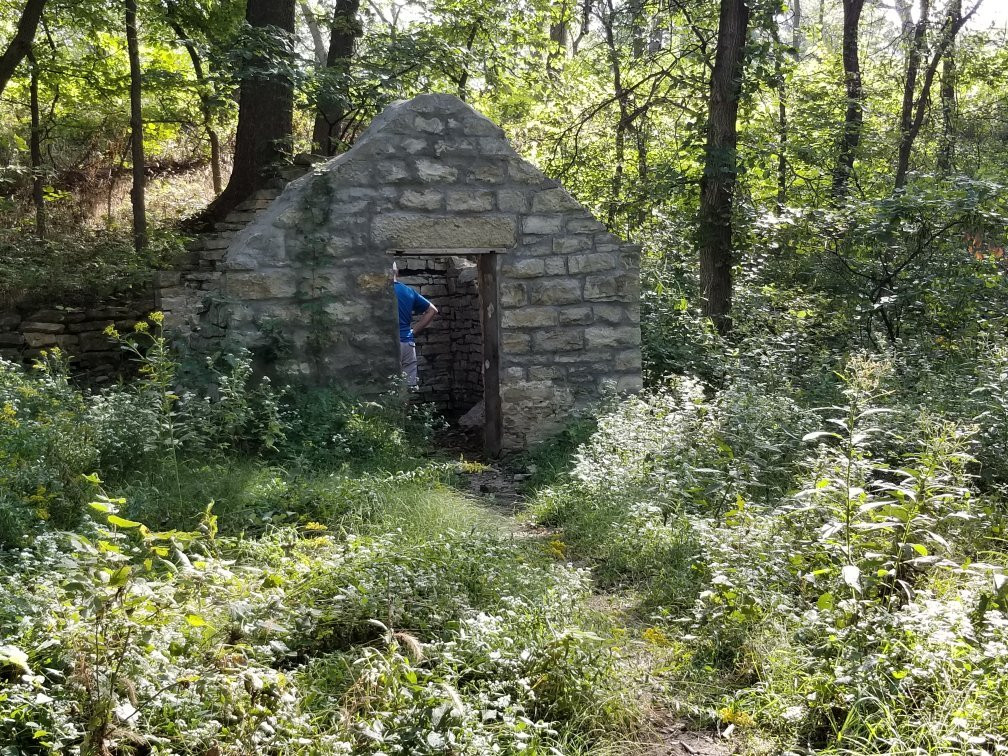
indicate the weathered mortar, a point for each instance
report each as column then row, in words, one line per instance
column 306, row 285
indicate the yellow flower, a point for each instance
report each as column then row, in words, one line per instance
column 315, row 526
column 656, row 637
column 141, row 326
column 737, row 717
column 111, row 332
column 156, row 317
column 9, row 415
column 557, row 548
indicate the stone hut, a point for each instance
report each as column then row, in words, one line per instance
column 539, row 304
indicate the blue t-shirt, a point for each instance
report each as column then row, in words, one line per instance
column 410, row 303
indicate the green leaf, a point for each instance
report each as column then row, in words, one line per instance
column 120, row 576
column 121, row 522
column 100, row 506
column 195, row 620
column 825, row 602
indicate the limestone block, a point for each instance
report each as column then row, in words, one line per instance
column 553, row 201
column 513, row 293
column 610, row 313
column 591, row 263
column 546, row 372
column 456, row 148
column 487, row 173
column 415, row 146
column 372, row 283
column 38, row 327
column 584, row 224
column 463, row 200
column 525, row 391
column 495, row 146
column 550, row 341
column 347, row 312
column 537, row 245
column 11, row 339
column 515, row 373
column 424, row 199
column 555, row 292
column 260, row 285
column 523, row 268
column 629, row 384
column 430, row 171
column 9, row 320
column 38, row 339
column 555, row 266
column 603, row 288
column 525, row 173
column 570, row 244
column 542, row 224
column 391, row 171
column 407, row 230
column 339, row 245
column 601, row 337
column 576, row 316
column 512, row 201
column 629, row 360
column 429, row 125
column 477, row 125
column 530, row 317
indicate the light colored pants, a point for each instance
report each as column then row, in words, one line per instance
column 408, row 362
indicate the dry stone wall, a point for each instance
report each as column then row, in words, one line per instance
column 449, row 351
column 28, row 327
column 305, row 283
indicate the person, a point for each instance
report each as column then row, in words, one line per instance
column 410, row 303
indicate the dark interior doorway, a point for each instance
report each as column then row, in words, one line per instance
column 458, row 354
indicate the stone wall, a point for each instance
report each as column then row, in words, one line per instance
column 305, row 281
column 450, row 350
column 27, row 327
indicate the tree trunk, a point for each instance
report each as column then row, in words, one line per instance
column 464, row 76
column 717, row 187
column 946, row 144
column 917, row 47
column 137, row 193
column 206, row 105
column 797, row 40
column 38, row 180
column 318, row 44
column 334, row 96
column 265, row 114
column 912, row 113
column 850, row 133
column 20, row 46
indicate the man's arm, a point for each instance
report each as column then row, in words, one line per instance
column 425, row 319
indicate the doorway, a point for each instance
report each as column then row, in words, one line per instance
column 459, row 353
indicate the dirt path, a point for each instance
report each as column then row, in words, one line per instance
column 498, row 489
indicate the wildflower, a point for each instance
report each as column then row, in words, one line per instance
column 656, row 636
column 111, row 332
column 157, row 318
column 141, row 326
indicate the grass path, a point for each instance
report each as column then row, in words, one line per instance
column 498, row 490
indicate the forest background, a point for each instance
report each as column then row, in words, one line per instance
column 792, row 541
